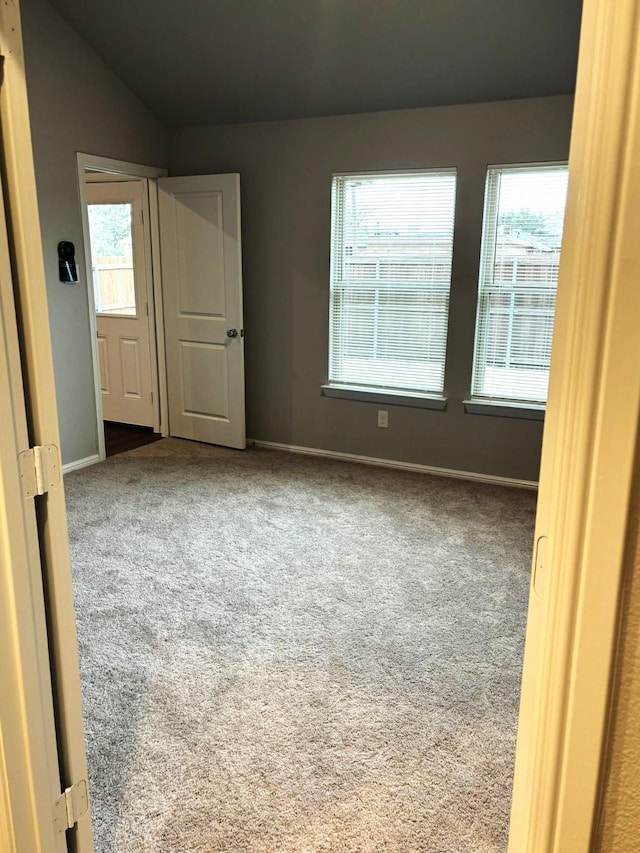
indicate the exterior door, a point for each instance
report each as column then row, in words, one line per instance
column 202, row 298
column 116, row 233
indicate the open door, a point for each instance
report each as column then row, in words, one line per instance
column 202, row 297
column 27, row 722
column 47, row 787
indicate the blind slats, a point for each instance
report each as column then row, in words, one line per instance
column 522, row 234
column 391, row 250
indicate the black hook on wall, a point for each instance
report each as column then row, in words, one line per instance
column 67, row 269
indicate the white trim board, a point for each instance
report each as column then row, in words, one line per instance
column 96, row 162
column 397, row 465
column 80, row 463
column 57, row 656
column 588, row 454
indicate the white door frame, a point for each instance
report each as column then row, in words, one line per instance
column 27, row 722
column 149, row 174
column 28, row 746
column 61, row 662
column 589, row 449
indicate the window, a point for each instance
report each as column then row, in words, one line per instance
column 522, row 233
column 111, row 237
column 391, row 247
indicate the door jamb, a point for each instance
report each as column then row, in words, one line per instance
column 588, row 455
column 28, row 745
column 61, row 664
column 149, row 174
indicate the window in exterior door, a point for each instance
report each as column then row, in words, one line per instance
column 111, row 238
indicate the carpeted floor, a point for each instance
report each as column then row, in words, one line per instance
column 283, row 654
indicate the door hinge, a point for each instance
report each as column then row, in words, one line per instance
column 39, row 470
column 70, row 806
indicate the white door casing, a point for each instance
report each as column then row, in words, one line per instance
column 202, row 299
column 588, row 455
column 58, row 660
column 27, row 724
column 124, row 349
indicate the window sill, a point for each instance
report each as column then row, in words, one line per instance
column 390, row 398
column 502, row 409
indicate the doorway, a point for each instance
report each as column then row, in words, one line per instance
column 196, row 359
column 119, row 212
column 600, row 576
column 123, row 299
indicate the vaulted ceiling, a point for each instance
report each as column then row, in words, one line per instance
column 196, row 62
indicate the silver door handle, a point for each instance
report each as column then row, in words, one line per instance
column 232, row 333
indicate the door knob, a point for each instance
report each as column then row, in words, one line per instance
column 232, row 333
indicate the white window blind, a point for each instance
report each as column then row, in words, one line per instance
column 391, row 247
column 522, row 232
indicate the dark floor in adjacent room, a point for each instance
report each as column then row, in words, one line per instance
column 119, row 438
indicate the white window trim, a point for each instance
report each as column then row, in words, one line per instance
column 504, row 409
column 370, row 393
column 384, row 395
column 481, row 404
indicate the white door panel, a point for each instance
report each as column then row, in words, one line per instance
column 105, row 378
column 130, row 368
column 122, row 315
column 202, row 297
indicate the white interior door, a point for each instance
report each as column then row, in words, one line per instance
column 202, row 297
column 121, row 297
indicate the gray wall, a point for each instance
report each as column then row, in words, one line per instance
column 285, row 170
column 76, row 104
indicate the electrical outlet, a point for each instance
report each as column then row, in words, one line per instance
column 383, row 419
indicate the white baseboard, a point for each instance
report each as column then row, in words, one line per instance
column 401, row 466
column 80, row 463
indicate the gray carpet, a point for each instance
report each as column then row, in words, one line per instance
column 283, row 654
